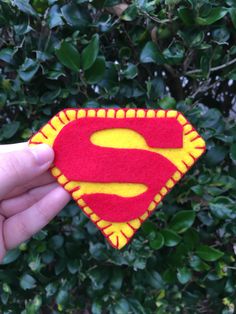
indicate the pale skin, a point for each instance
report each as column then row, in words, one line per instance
column 29, row 196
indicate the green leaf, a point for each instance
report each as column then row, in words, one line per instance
column 96, row 72
column 68, row 55
column 27, row 282
column 171, row 237
column 197, row 264
column 209, row 254
column 55, row 17
column 232, row 12
column 184, row 275
column 186, row 15
column 62, row 297
column 116, row 279
column 150, row 53
column 121, row 306
column 154, row 279
column 28, row 69
column 75, row 16
column 24, row 6
column 131, row 71
column 182, row 221
column 130, row 13
column 157, row 242
column 233, row 151
column 89, row 54
column 56, row 242
column 11, row 256
column 10, row 129
column 6, row 55
column 213, row 16
column 215, row 155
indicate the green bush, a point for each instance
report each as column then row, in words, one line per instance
column 149, row 54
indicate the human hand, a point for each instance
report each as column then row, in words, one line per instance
column 29, row 195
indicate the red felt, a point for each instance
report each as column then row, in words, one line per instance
column 81, row 160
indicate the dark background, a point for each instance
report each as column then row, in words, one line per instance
column 148, row 54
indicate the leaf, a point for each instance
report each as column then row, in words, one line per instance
column 121, row 306
column 233, row 152
column 182, row 221
column 130, row 13
column 197, row 264
column 215, row 155
column 24, row 6
column 6, row 55
column 54, row 17
column 154, row 279
column 11, row 256
column 150, row 53
column 62, row 297
column 89, row 53
column 56, row 242
column 96, row 72
column 131, row 71
column 232, row 12
column 68, row 55
column 171, row 237
column 214, row 15
column 98, row 277
column 184, row 275
column 157, row 242
column 209, row 254
column 223, row 210
column 75, row 16
column 27, row 282
column 10, row 129
column 28, row 69
column 186, row 15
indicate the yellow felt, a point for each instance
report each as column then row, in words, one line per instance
column 122, row 138
column 91, row 113
column 126, row 138
column 121, row 189
column 172, row 113
column 140, row 113
column 63, row 117
column 81, row 113
column 120, row 113
column 130, row 113
column 111, row 113
column 101, row 113
column 150, row 114
column 71, row 114
column 152, row 206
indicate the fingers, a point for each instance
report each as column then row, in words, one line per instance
column 17, row 204
column 2, row 246
column 13, row 147
column 41, row 180
column 19, row 167
column 23, row 225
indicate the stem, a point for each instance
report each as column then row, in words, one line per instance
column 219, row 67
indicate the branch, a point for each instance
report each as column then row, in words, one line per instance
column 215, row 69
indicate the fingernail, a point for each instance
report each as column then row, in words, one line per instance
column 43, row 154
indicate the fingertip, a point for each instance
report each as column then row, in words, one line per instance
column 43, row 154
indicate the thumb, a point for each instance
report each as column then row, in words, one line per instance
column 20, row 167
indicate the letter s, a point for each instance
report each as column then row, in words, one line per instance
column 80, row 160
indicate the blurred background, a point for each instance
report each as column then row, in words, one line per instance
column 170, row 54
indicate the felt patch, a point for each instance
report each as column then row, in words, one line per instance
column 118, row 164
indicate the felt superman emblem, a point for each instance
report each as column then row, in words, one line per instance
column 118, row 164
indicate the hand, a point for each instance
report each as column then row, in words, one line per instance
column 29, row 195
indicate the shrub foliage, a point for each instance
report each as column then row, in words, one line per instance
column 149, row 54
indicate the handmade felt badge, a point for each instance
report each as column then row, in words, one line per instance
column 118, row 164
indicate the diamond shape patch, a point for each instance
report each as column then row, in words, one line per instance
column 118, row 164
